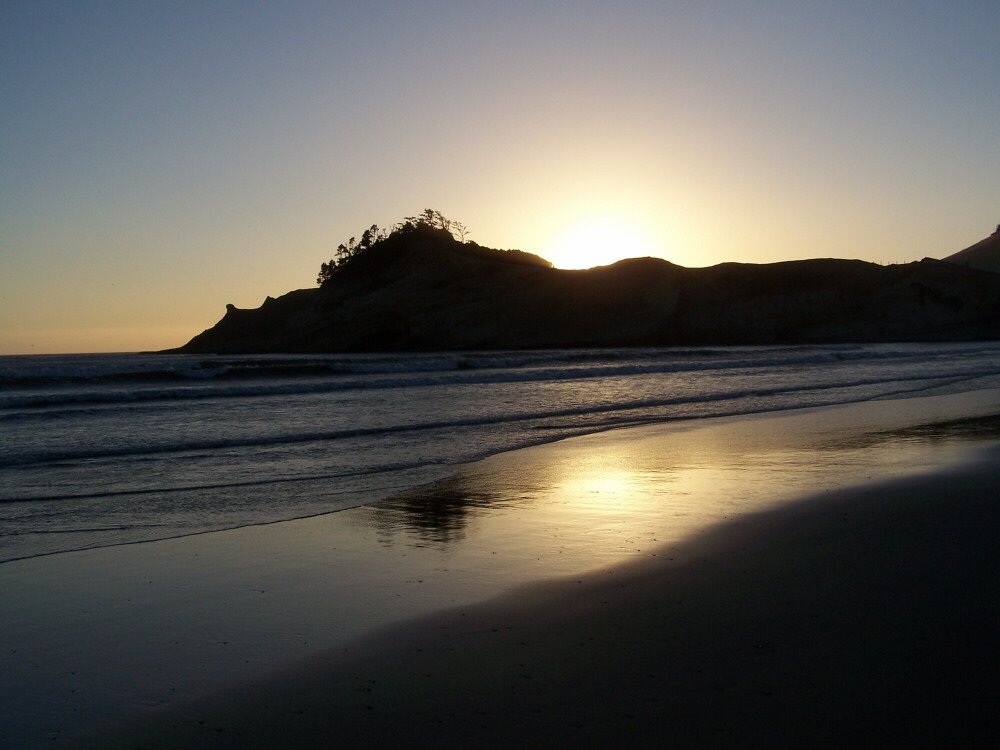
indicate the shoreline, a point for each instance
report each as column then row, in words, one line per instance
column 105, row 637
column 830, row 620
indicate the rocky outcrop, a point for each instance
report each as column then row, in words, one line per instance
column 431, row 292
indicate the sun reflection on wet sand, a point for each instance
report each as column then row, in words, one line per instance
column 596, row 501
column 282, row 592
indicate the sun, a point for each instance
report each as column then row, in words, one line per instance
column 599, row 241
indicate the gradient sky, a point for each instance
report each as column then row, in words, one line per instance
column 160, row 159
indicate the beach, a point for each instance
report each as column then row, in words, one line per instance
column 865, row 618
column 822, row 575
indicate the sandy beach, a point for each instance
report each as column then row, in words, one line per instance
column 864, row 618
column 821, row 576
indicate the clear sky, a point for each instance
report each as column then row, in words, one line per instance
column 160, row 159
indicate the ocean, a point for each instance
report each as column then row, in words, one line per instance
column 107, row 449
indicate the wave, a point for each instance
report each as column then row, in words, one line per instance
column 28, row 372
column 304, row 376
column 29, row 458
column 367, row 472
column 78, row 530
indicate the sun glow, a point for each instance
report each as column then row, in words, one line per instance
column 599, row 241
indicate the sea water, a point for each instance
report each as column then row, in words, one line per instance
column 108, row 449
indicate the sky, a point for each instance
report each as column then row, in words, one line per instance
column 159, row 160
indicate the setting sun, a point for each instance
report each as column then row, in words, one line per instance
column 598, row 242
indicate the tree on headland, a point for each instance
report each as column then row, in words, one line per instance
column 345, row 251
column 373, row 236
column 459, row 230
column 428, row 224
column 428, row 219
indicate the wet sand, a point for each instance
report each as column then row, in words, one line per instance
column 806, row 574
column 859, row 616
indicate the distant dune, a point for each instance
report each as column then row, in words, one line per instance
column 984, row 255
column 426, row 290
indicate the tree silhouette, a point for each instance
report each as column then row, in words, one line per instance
column 428, row 219
column 459, row 231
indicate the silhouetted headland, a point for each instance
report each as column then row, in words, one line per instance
column 420, row 288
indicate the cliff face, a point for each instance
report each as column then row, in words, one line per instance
column 435, row 293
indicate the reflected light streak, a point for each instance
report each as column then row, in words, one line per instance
column 599, row 500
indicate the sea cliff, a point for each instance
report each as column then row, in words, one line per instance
column 426, row 290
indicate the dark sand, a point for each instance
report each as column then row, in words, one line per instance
column 865, row 617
